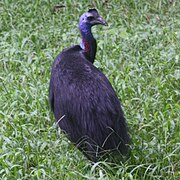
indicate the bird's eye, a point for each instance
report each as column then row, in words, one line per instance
column 90, row 18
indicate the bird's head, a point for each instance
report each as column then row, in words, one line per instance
column 92, row 18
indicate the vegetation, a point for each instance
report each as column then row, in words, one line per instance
column 139, row 53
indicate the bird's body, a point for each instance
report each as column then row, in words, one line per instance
column 85, row 105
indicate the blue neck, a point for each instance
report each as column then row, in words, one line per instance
column 86, row 32
column 88, row 43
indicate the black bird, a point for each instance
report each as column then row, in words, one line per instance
column 82, row 99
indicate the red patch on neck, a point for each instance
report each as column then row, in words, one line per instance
column 86, row 46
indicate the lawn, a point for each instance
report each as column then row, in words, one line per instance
column 139, row 53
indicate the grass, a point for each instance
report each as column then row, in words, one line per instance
column 139, row 53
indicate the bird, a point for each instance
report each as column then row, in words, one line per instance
column 82, row 99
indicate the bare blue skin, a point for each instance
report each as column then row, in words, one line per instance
column 88, row 43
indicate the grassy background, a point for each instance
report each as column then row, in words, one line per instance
column 139, row 52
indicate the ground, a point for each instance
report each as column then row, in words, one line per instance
column 138, row 52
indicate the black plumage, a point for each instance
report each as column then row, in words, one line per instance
column 85, row 105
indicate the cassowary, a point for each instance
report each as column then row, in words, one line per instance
column 82, row 99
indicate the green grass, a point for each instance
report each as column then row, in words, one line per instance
column 139, row 53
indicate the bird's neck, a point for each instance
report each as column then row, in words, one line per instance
column 88, row 43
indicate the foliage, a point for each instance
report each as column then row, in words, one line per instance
column 139, row 53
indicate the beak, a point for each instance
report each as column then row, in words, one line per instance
column 100, row 20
